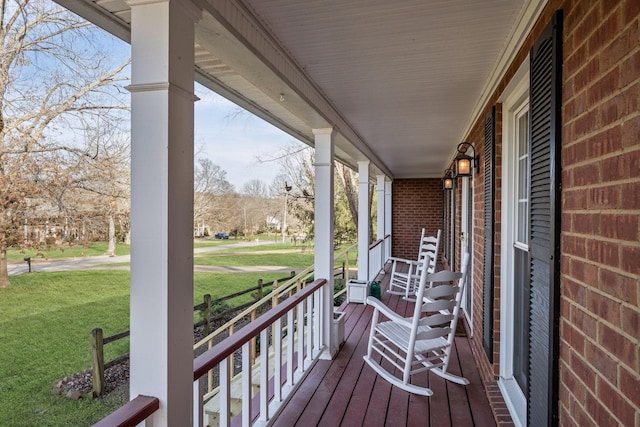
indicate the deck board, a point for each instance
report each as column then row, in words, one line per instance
column 347, row 392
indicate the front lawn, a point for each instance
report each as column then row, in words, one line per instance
column 44, row 336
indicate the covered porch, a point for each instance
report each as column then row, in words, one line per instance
column 546, row 91
column 346, row 392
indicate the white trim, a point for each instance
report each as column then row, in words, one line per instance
column 364, row 239
column 515, row 96
column 516, row 402
column 467, row 211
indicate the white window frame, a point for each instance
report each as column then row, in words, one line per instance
column 515, row 97
column 466, row 211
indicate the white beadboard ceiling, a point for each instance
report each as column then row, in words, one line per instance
column 400, row 81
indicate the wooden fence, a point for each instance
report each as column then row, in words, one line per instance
column 98, row 341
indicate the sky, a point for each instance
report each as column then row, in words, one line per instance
column 230, row 140
column 236, row 142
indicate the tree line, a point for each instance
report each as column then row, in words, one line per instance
column 65, row 148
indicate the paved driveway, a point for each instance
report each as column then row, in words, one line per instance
column 45, row 266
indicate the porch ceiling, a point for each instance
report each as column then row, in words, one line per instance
column 401, row 82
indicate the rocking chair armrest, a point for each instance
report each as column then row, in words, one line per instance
column 390, row 314
column 405, row 261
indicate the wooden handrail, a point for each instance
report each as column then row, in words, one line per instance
column 376, row 243
column 229, row 345
column 132, row 413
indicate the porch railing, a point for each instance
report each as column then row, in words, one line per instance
column 279, row 290
column 131, row 414
column 379, row 253
column 294, row 344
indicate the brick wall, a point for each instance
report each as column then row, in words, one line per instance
column 600, row 230
column 600, row 264
column 416, row 203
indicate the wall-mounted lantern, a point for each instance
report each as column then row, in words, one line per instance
column 465, row 162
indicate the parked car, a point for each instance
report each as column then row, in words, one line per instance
column 222, row 236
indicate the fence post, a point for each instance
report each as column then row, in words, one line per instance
column 260, row 289
column 207, row 314
column 346, row 264
column 343, row 273
column 97, row 361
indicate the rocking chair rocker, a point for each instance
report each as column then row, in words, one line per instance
column 422, row 342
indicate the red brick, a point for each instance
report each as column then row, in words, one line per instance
column 631, row 320
column 604, row 307
column 631, row 136
column 575, row 60
column 630, row 385
column 630, row 69
column 631, row 11
column 573, row 337
column 631, row 259
column 621, row 227
column 574, row 292
column 599, row 412
column 585, row 124
column 585, row 322
column 574, row 245
column 586, row 75
column 573, row 384
column 588, row 23
column 575, row 153
column 604, row 364
column 618, row 286
column 583, row 271
column 631, row 192
column 605, row 142
column 574, row 199
column 604, row 197
column 604, row 87
column 625, row 41
column 586, row 223
column 616, row 404
column 582, row 371
column 586, row 175
column 618, row 345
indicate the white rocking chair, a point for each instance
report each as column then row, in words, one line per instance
column 404, row 280
column 419, row 343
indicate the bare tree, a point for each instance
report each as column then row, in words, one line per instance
column 52, row 80
column 210, row 187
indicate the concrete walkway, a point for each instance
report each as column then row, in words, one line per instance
column 86, row 263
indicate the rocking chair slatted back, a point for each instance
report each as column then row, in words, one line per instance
column 424, row 341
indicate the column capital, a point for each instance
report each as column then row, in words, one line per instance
column 322, row 131
column 189, row 7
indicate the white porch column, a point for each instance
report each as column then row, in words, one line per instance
column 381, row 223
column 363, row 220
column 324, row 218
column 162, row 98
column 387, row 207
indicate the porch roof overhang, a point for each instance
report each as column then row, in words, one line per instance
column 402, row 83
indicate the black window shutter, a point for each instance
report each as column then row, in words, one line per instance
column 489, row 219
column 544, row 226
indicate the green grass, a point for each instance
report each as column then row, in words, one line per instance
column 46, row 319
column 298, row 260
column 94, row 249
column 44, row 336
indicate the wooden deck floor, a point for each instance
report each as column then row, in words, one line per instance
column 346, row 392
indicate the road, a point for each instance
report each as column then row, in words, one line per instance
column 85, row 263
